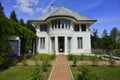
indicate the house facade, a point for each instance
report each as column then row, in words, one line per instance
column 63, row 31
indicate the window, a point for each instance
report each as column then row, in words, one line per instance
column 53, row 43
column 43, row 28
column 83, row 27
column 61, row 24
column 69, row 43
column 80, row 42
column 42, row 42
column 76, row 27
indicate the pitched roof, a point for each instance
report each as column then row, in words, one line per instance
column 63, row 12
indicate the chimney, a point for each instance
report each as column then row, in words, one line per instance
column 52, row 7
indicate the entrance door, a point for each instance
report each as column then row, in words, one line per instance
column 61, row 44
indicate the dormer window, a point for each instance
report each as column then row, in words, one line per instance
column 76, row 27
column 43, row 28
column 83, row 27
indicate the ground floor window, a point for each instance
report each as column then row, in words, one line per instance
column 42, row 42
column 53, row 43
column 69, row 43
column 80, row 42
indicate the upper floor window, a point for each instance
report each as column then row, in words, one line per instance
column 43, row 28
column 61, row 24
column 83, row 27
column 76, row 27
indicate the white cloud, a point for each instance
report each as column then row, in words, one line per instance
column 26, row 5
column 46, row 9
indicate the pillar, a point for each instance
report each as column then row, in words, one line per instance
column 66, row 51
column 56, row 44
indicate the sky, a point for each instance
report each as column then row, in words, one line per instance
column 106, row 12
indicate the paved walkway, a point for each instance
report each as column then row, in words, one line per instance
column 61, row 70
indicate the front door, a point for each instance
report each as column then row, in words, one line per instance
column 61, row 44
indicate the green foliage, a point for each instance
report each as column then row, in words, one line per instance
column 82, row 58
column 94, row 60
column 74, row 62
column 96, row 73
column 106, row 41
column 70, row 57
column 43, row 57
column 86, row 74
column 13, row 16
column 36, row 74
column 44, row 66
column 24, row 60
column 23, row 73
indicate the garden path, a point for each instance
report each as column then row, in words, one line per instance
column 61, row 69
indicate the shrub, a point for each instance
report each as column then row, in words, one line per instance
column 44, row 66
column 36, row 74
column 94, row 60
column 82, row 57
column 24, row 61
column 74, row 62
column 86, row 74
column 70, row 56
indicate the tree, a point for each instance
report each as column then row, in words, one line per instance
column 21, row 22
column 114, row 33
column 104, row 34
column 1, row 9
column 95, row 39
column 113, row 36
column 13, row 16
column 30, row 26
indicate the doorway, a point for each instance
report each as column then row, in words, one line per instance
column 61, row 44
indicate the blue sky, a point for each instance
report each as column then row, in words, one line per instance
column 107, row 12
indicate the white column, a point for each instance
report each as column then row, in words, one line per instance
column 80, row 27
column 66, row 51
column 56, row 44
column 50, row 49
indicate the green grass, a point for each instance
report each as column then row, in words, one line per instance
column 102, row 72
column 21, row 73
column 83, row 58
column 43, row 57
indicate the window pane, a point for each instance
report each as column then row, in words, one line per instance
column 42, row 42
column 69, row 43
column 80, row 43
column 43, row 28
column 76, row 27
column 83, row 27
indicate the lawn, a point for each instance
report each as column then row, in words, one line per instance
column 83, row 57
column 102, row 72
column 43, row 57
column 22, row 73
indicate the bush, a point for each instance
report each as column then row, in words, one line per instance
column 24, row 61
column 44, row 66
column 86, row 74
column 36, row 74
column 70, row 57
column 82, row 57
column 94, row 60
column 74, row 62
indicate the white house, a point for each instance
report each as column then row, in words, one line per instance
column 63, row 31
